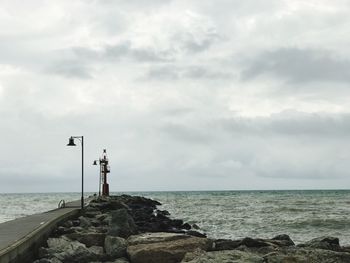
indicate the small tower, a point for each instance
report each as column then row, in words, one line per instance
column 104, row 170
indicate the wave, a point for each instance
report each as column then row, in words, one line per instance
column 332, row 224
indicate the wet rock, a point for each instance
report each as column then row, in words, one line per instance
column 195, row 226
column 97, row 250
column 135, row 202
column 186, row 226
column 108, row 205
column 282, row 240
column 62, row 231
column 88, row 238
column 225, row 256
column 307, row 255
column 148, row 238
column 119, row 260
column 84, row 222
column 115, row 246
column 195, row 233
column 121, row 224
column 163, row 247
column 225, row 244
column 62, row 243
column 68, row 223
column 77, row 229
column 329, row 243
column 256, row 243
column 46, row 260
column 92, row 214
column 76, row 222
column 101, row 217
column 79, row 255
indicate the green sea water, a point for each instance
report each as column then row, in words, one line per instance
column 302, row 215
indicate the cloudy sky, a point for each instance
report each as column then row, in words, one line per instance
column 184, row 95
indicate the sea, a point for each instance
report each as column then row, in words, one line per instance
column 303, row 215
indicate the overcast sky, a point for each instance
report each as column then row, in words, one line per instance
column 184, row 95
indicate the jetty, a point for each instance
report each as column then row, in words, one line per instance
column 20, row 238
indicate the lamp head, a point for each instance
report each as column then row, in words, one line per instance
column 94, row 163
column 71, row 142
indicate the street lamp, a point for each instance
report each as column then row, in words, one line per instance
column 71, row 143
column 99, row 180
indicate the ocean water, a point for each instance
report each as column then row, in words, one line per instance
column 302, row 215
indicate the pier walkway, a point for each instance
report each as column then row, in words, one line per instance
column 21, row 238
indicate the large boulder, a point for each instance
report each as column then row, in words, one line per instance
column 308, row 255
column 88, row 238
column 121, row 224
column 62, row 243
column 104, row 205
column 115, row 246
column 148, row 238
column 282, row 240
column 329, row 243
column 66, row 250
column 225, row 244
column 163, row 247
column 224, row 256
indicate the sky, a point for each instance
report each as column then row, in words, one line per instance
column 183, row 94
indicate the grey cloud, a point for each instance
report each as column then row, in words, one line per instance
column 171, row 72
column 299, row 66
column 71, row 69
column 122, row 50
column 184, row 133
column 292, row 123
column 195, row 44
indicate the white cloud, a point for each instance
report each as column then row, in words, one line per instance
column 159, row 84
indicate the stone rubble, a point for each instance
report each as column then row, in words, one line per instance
column 122, row 229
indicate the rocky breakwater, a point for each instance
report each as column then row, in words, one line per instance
column 125, row 228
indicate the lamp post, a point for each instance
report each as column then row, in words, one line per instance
column 99, row 180
column 71, row 143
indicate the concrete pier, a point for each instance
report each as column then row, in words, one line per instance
column 21, row 238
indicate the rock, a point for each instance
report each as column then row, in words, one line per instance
column 186, row 226
column 76, row 222
column 119, row 260
column 66, row 250
column 329, row 243
column 307, row 255
column 78, row 255
column 84, row 222
column 121, row 224
column 282, row 240
column 77, row 229
column 62, row 230
column 108, row 205
column 135, row 202
column 225, row 244
column 101, row 217
column 46, row 260
column 195, row 226
column 63, row 243
column 88, row 238
column 163, row 247
column 115, row 246
column 97, row 250
column 68, row 223
column 91, row 214
column 148, row 238
column 225, row 256
column 45, row 252
column 195, row 233
column 256, row 243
